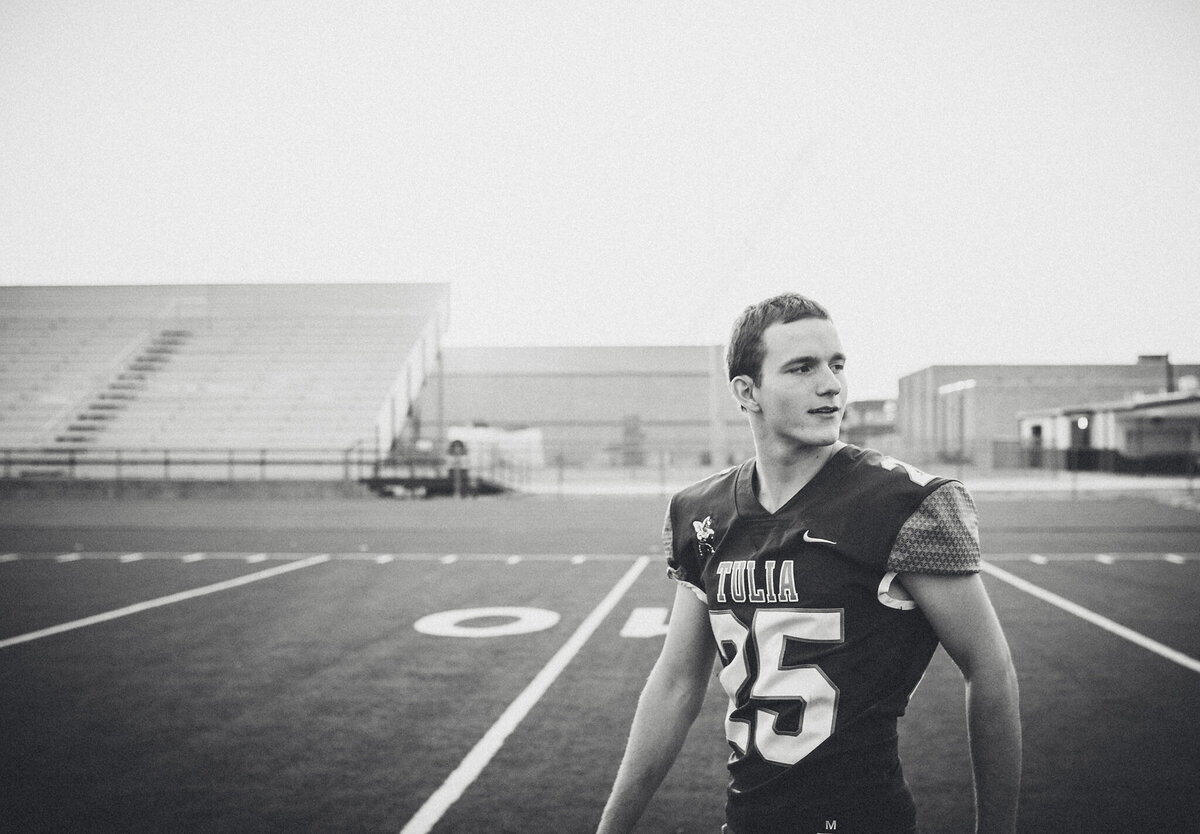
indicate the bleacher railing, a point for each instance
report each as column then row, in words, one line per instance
column 358, row 463
column 208, row 464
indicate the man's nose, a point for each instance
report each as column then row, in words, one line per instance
column 829, row 385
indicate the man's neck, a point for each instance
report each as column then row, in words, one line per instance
column 782, row 474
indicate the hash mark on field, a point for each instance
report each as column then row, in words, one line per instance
column 449, row 559
column 257, row 557
column 68, row 557
column 131, row 557
column 384, row 558
column 513, row 560
column 578, row 559
column 1105, row 558
column 9, row 557
column 192, row 557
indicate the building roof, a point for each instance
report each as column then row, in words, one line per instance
column 1173, row 404
column 583, row 360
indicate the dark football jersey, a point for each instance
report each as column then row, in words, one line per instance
column 819, row 659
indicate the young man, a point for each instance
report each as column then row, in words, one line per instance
column 823, row 576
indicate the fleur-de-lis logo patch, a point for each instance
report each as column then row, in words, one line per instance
column 704, row 536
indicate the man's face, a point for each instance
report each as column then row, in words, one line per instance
column 802, row 390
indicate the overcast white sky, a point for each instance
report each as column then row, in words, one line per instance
column 958, row 182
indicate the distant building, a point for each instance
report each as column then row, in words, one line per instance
column 870, row 423
column 971, row 413
column 1145, row 433
column 611, row 406
column 670, row 405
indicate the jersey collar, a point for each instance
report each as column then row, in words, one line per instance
column 746, row 497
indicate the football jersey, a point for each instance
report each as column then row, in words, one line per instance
column 818, row 658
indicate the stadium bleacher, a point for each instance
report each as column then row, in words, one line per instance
column 265, row 366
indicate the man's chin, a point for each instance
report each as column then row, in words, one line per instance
column 819, row 439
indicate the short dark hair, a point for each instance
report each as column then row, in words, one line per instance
column 745, row 352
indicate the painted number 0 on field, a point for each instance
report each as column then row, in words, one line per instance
column 455, row 623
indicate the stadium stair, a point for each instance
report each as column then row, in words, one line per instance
column 105, row 407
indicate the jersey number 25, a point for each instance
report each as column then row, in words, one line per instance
column 776, row 681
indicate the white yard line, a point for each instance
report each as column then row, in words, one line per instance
column 1094, row 618
column 473, row 764
column 160, row 601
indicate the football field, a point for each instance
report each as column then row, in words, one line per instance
column 472, row 666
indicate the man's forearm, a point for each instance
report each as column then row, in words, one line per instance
column 660, row 726
column 994, row 725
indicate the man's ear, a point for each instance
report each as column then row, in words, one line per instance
column 743, row 389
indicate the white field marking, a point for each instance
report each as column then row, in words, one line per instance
column 9, row 557
column 126, row 558
column 160, row 601
column 451, row 558
column 1105, row 558
column 1088, row 557
column 646, row 622
column 1094, row 618
column 382, row 558
column 1174, row 558
column 473, row 764
column 450, row 623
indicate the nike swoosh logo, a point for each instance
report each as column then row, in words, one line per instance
column 809, row 538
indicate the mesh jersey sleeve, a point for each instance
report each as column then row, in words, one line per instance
column 941, row 536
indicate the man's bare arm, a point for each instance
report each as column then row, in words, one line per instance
column 961, row 613
column 668, row 706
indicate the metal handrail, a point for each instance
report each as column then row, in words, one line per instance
column 226, row 464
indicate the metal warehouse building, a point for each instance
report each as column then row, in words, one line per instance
column 1146, row 433
column 971, row 413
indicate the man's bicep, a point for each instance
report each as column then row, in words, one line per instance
column 689, row 647
column 962, row 616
